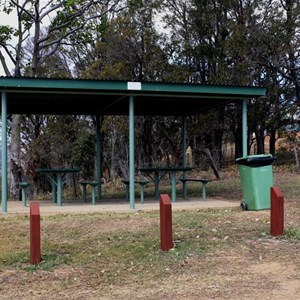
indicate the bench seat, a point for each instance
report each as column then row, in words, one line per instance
column 142, row 184
column 93, row 185
column 204, row 181
column 24, row 185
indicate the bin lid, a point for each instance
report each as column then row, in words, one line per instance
column 255, row 161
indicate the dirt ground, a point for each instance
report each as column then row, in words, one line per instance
column 244, row 264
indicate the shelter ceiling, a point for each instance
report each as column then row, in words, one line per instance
column 90, row 97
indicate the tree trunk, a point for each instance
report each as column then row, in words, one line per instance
column 238, row 140
column 16, row 171
column 147, row 142
column 217, row 147
column 296, row 158
column 113, row 162
column 272, row 141
column 212, row 162
column 259, row 140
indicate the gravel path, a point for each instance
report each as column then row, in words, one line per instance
column 47, row 207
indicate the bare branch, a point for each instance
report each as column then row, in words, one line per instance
column 8, row 53
column 45, row 6
column 45, row 57
column 283, row 5
column 47, row 12
column 72, row 31
column 80, row 12
column 3, row 62
column 22, row 8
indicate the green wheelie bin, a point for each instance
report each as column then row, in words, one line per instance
column 257, row 178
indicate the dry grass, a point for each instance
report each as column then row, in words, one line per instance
column 218, row 253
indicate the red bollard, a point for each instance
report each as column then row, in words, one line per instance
column 35, row 234
column 277, row 212
column 166, row 241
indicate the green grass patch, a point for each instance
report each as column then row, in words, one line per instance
column 13, row 259
column 292, row 234
column 116, row 244
column 48, row 263
column 121, row 248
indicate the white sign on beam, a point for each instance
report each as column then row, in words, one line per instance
column 134, row 86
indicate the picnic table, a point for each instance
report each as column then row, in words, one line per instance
column 157, row 173
column 55, row 176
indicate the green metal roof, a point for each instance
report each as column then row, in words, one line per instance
column 90, row 97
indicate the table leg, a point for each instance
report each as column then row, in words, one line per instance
column 142, row 192
column 203, row 191
column 184, row 194
column 127, row 191
column 173, row 195
column 84, row 193
column 59, row 190
column 24, row 197
column 156, row 185
column 54, row 192
column 93, row 195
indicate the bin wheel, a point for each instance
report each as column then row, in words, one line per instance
column 243, row 205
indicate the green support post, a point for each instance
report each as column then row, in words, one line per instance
column 93, row 195
column 59, row 189
column 93, row 186
column 173, row 192
column 184, row 156
column 99, row 161
column 4, row 151
column 131, row 153
column 54, row 192
column 244, row 127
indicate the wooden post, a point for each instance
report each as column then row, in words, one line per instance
column 166, row 241
column 277, row 212
column 35, row 234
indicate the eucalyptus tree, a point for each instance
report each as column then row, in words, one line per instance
column 47, row 24
column 287, row 21
column 196, row 45
column 274, row 43
column 125, row 47
column 266, row 45
column 240, row 42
